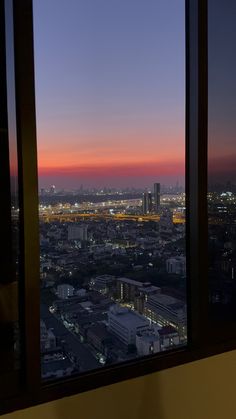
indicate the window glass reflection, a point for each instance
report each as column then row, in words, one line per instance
column 222, row 159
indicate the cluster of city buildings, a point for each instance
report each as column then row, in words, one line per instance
column 222, row 249
column 107, row 290
column 116, row 318
column 114, row 290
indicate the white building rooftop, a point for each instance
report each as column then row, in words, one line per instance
column 128, row 318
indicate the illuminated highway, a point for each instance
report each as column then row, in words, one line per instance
column 71, row 217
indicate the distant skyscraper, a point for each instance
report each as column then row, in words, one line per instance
column 147, row 202
column 157, row 196
column 52, row 189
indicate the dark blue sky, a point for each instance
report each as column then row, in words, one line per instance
column 110, row 90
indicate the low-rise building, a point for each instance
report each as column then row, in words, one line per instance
column 47, row 338
column 99, row 337
column 127, row 289
column 102, row 283
column 125, row 324
column 148, row 342
column 176, row 265
column 166, row 310
column 169, row 338
column 65, row 291
column 78, row 232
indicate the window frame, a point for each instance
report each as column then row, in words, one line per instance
column 9, row 383
column 201, row 342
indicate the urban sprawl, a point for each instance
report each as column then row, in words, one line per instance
column 113, row 272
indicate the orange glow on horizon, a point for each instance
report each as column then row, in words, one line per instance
column 121, row 154
column 94, row 154
column 124, row 169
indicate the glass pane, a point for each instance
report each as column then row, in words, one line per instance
column 110, row 100
column 222, row 159
column 9, row 316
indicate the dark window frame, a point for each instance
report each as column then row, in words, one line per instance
column 202, row 336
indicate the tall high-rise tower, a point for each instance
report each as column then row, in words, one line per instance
column 157, row 196
column 52, row 189
column 147, row 202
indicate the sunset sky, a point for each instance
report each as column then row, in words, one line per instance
column 222, row 91
column 110, row 92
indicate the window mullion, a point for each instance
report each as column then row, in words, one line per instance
column 196, row 171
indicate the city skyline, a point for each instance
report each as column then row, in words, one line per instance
column 52, row 188
column 70, row 178
column 111, row 106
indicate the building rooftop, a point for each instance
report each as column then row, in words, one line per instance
column 150, row 288
column 57, row 367
column 128, row 318
column 130, row 281
column 166, row 300
column 149, row 333
column 86, row 305
column 100, row 331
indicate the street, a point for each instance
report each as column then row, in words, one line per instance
column 85, row 357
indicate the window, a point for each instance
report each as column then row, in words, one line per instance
column 203, row 330
column 221, row 196
column 110, row 112
column 9, row 283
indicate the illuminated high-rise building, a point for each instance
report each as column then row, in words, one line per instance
column 157, row 196
column 147, row 202
column 52, row 189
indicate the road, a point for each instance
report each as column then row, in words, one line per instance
column 50, row 217
column 80, row 350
